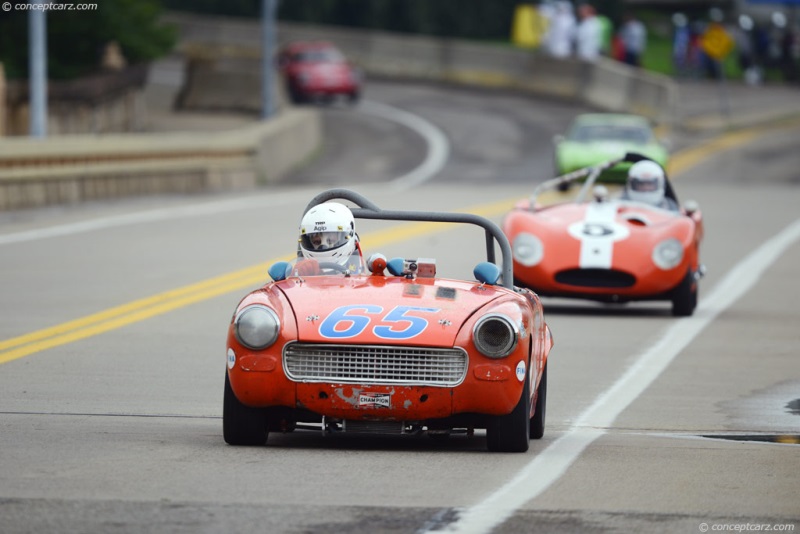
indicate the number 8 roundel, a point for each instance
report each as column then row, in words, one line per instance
column 350, row 321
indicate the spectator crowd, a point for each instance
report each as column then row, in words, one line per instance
column 576, row 29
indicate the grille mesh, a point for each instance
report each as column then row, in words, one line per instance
column 305, row 362
column 595, row 278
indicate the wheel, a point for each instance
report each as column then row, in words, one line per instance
column 242, row 425
column 511, row 433
column 354, row 97
column 537, row 421
column 684, row 297
column 295, row 95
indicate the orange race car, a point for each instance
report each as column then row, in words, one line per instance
column 339, row 349
column 605, row 248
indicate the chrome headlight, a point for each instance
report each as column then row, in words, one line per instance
column 668, row 254
column 528, row 249
column 495, row 336
column 257, row 327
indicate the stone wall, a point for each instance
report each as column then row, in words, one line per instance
column 101, row 103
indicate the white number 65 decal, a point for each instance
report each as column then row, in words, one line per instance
column 341, row 324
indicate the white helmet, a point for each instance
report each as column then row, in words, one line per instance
column 646, row 182
column 328, row 233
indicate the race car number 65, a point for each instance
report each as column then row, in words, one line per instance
column 350, row 321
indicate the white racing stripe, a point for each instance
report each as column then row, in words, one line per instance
column 597, row 233
column 549, row 465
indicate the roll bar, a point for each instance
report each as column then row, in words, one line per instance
column 368, row 210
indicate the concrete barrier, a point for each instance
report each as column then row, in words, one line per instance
column 71, row 169
column 105, row 102
column 212, row 43
column 224, row 69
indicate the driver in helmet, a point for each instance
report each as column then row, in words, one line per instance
column 647, row 184
column 328, row 236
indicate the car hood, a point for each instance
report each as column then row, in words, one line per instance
column 383, row 310
column 578, row 155
column 594, row 234
column 323, row 69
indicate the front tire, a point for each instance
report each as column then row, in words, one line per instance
column 511, row 433
column 684, row 298
column 242, row 425
column 537, row 421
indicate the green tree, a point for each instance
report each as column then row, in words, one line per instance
column 470, row 19
column 76, row 39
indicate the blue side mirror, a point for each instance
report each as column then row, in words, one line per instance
column 487, row 273
column 396, row 266
column 277, row 271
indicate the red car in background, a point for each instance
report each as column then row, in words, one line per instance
column 317, row 70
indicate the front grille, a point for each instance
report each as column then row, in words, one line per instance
column 373, row 427
column 595, row 278
column 374, row 364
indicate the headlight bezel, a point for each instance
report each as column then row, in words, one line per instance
column 526, row 241
column 266, row 334
column 668, row 254
column 507, row 347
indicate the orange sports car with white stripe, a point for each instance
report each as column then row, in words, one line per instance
column 605, row 248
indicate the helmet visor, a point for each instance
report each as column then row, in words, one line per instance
column 645, row 185
column 322, row 241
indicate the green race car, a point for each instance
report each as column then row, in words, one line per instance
column 597, row 137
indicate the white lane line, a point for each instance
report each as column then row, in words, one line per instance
column 161, row 214
column 438, row 144
column 549, row 465
column 438, row 152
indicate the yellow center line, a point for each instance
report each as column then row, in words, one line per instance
column 256, row 275
column 250, row 277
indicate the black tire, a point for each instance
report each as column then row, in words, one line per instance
column 242, row 425
column 295, row 95
column 511, row 433
column 684, row 297
column 537, row 421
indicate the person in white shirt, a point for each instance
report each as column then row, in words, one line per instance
column 634, row 39
column 560, row 31
column 588, row 37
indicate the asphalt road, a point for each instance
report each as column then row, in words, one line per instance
column 110, row 408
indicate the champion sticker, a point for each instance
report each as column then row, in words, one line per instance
column 520, row 372
column 231, row 358
column 378, row 400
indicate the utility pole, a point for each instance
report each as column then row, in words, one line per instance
column 268, row 9
column 37, row 65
